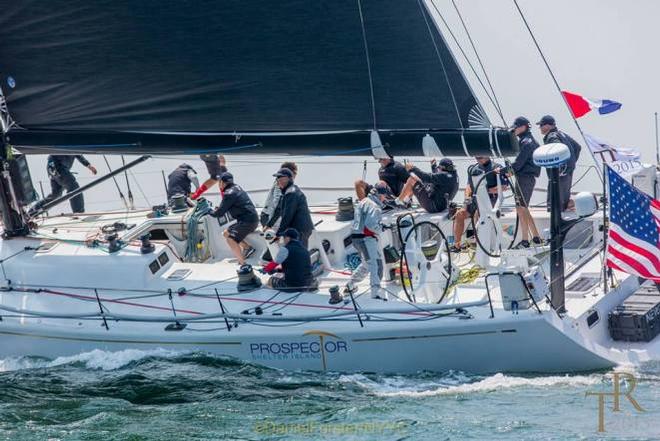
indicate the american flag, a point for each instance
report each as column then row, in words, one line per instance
column 633, row 240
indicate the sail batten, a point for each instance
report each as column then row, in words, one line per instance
column 149, row 70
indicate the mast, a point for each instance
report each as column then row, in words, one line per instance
column 13, row 218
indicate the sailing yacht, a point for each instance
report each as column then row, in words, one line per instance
column 307, row 78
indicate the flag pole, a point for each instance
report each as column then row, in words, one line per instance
column 554, row 79
column 605, row 227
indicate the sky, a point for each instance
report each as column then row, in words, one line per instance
column 597, row 48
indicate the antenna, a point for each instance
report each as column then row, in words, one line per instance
column 657, row 144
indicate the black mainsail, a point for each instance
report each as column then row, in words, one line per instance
column 255, row 76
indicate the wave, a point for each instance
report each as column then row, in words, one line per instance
column 456, row 383
column 96, row 359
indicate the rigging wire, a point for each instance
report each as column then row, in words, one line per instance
column 144, row 195
column 131, row 205
column 467, row 59
column 444, row 70
column 366, row 52
column 474, row 48
column 554, row 79
column 114, row 179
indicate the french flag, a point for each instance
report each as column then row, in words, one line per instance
column 580, row 105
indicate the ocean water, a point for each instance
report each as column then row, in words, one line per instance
column 162, row 395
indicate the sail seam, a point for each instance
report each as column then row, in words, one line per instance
column 366, row 52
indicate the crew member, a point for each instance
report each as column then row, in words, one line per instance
column 273, row 206
column 492, row 170
column 296, row 265
column 216, row 166
column 181, row 180
column 526, row 173
column 433, row 190
column 237, row 203
column 295, row 212
column 61, row 178
column 364, row 234
column 393, row 173
column 551, row 134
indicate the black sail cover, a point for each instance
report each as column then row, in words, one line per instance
column 255, row 76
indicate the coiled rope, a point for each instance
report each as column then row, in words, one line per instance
column 194, row 252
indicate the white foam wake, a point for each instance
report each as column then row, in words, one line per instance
column 96, row 359
column 461, row 384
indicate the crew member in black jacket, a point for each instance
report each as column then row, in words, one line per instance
column 433, row 190
column 493, row 172
column 61, row 178
column 296, row 266
column 181, row 180
column 526, row 173
column 237, row 203
column 551, row 135
column 295, row 212
column 391, row 172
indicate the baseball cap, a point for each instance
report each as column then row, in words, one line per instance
column 227, row 177
column 381, row 188
column 446, row 163
column 284, row 172
column 547, row 119
column 520, row 122
column 292, row 233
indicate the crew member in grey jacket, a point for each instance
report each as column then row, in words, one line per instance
column 365, row 229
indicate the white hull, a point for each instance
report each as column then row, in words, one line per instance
column 408, row 341
column 531, row 345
